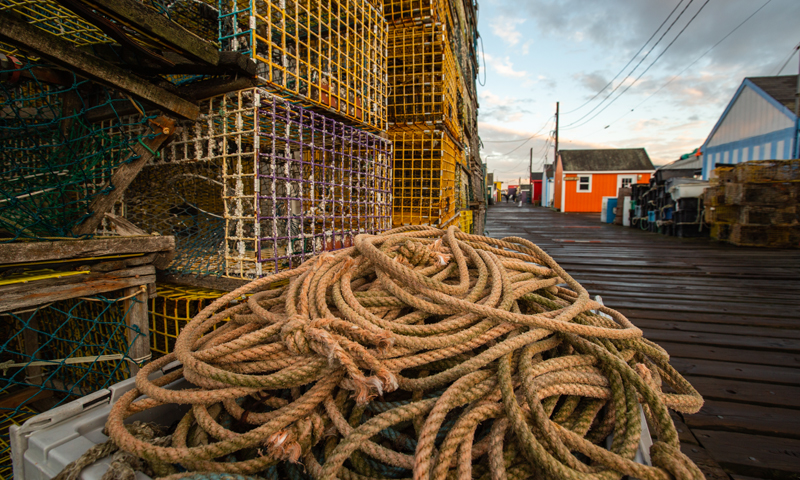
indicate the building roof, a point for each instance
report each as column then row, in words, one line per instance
column 782, row 88
column 548, row 170
column 609, row 159
column 688, row 163
column 536, row 176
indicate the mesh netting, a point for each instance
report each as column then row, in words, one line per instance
column 63, row 350
column 183, row 200
column 54, row 162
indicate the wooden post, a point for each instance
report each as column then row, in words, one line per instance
column 138, row 319
column 30, row 338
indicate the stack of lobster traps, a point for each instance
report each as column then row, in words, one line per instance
column 756, row 204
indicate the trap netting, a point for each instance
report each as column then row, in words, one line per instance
column 183, row 200
column 60, row 351
column 55, row 154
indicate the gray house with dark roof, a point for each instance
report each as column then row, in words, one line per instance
column 759, row 123
column 583, row 177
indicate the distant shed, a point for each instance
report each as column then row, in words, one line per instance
column 536, row 185
column 584, row 177
column 759, row 123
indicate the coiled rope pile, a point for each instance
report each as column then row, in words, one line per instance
column 419, row 353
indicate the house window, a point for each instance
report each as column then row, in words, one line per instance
column 585, row 183
column 626, row 182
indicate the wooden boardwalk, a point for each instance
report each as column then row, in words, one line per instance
column 728, row 316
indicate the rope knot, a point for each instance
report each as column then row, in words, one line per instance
column 416, row 253
column 293, row 335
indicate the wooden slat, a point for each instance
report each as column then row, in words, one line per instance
column 63, row 53
column 753, row 455
column 686, row 350
column 716, row 318
column 29, row 252
column 23, row 295
column 24, row 397
column 737, row 371
column 745, row 418
column 747, row 392
column 689, row 326
column 724, row 340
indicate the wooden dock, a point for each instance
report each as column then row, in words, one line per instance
column 729, row 317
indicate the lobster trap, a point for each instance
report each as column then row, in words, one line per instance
column 768, row 171
column 7, row 419
column 53, row 161
column 67, row 348
column 424, row 177
column 328, row 54
column 274, row 183
column 55, row 19
column 423, row 79
column 416, row 12
column 172, row 309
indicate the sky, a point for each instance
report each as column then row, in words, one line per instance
column 667, row 100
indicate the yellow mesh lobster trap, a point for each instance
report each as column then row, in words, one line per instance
column 416, row 12
column 322, row 53
column 8, row 418
column 423, row 79
column 55, row 19
column 465, row 221
column 424, row 192
column 172, row 309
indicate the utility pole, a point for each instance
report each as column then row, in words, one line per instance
column 530, row 167
column 555, row 153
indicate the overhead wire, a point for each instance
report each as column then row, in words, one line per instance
column 646, row 69
column 686, row 68
column 634, row 68
column 629, row 61
column 795, row 49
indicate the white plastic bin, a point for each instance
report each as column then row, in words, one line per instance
column 46, row 443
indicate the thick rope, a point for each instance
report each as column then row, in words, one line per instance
column 419, row 353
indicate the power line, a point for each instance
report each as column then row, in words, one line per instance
column 629, row 61
column 796, row 48
column 688, row 66
column 566, row 127
column 649, row 66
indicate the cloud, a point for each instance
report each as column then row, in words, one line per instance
column 526, row 47
column 502, row 109
column 593, row 82
column 503, row 67
column 620, row 27
column 506, row 28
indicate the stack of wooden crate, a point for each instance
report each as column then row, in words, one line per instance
column 755, row 204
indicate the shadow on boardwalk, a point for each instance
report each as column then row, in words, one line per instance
column 728, row 316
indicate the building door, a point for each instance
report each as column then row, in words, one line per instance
column 625, row 181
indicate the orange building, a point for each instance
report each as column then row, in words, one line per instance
column 584, row 177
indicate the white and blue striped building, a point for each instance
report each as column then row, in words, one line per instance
column 759, row 123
